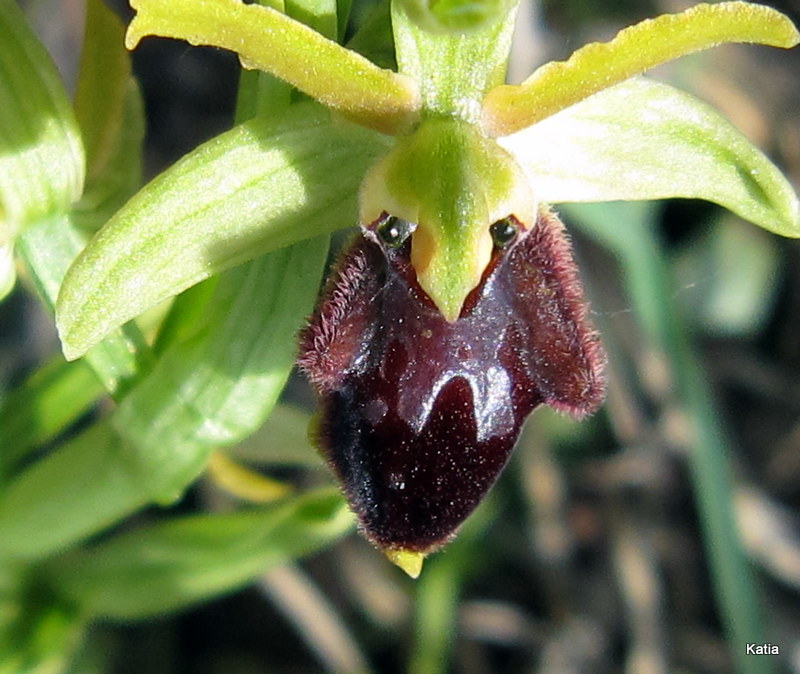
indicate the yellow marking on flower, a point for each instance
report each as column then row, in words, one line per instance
column 409, row 561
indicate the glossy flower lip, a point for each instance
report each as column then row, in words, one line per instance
column 420, row 414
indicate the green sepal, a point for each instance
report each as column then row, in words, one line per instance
column 41, row 157
column 455, row 16
column 454, row 71
column 645, row 140
column 166, row 566
column 263, row 185
column 559, row 84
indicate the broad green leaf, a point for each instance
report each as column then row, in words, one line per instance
column 317, row 14
column 454, row 71
column 273, row 42
column 167, row 566
column 263, row 185
column 645, row 140
column 47, row 250
column 220, row 385
column 373, row 37
column 41, row 158
column 559, row 84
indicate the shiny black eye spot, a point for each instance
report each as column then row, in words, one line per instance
column 504, row 231
column 393, row 231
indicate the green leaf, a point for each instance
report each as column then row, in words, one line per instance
column 220, row 385
column 41, row 635
column 261, row 186
column 47, row 250
column 166, row 566
column 559, row 84
column 48, row 401
column 455, row 71
column 103, row 80
column 645, row 140
column 270, row 41
column 84, row 486
column 41, row 158
column 109, row 110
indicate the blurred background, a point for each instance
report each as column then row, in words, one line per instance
column 589, row 554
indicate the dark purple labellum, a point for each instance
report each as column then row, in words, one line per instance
column 419, row 415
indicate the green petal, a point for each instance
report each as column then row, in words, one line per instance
column 166, row 566
column 557, row 85
column 261, row 186
column 645, row 140
column 290, row 50
column 41, row 158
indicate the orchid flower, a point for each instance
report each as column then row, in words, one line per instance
column 458, row 310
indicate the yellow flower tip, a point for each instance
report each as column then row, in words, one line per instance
column 408, row 560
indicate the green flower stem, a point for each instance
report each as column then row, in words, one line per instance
column 559, row 84
column 652, row 293
column 271, row 41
